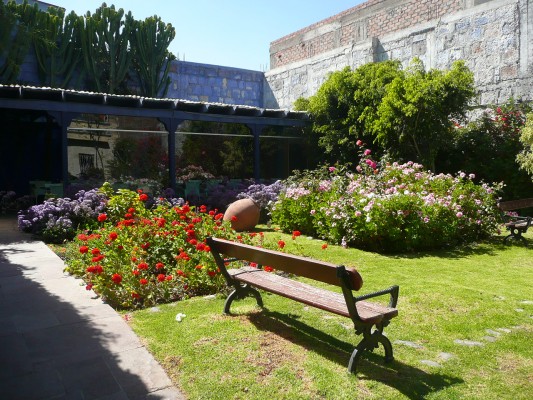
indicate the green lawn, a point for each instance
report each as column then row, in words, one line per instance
column 481, row 293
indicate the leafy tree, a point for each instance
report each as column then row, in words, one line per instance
column 414, row 118
column 525, row 158
column 345, row 106
column 488, row 147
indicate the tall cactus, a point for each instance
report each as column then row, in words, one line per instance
column 18, row 30
column 60, row 53
column 105, row 44
column 150, row 40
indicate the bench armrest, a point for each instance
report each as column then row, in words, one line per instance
column 393, row 291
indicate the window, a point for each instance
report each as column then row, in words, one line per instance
column 86, row 162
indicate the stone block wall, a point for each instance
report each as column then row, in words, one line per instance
column 216, row 84
column 494, row 37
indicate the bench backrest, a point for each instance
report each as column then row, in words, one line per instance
column 515, row 204
column 305, row 267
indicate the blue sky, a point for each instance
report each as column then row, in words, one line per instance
column 235, row 33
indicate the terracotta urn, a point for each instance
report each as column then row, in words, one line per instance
column 243, row 214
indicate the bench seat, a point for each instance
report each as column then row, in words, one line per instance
column 320, row 298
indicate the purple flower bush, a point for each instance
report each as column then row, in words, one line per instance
column 57, row 220
column 264, row 195
column 397, row 208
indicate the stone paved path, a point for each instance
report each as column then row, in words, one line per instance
column 57, row 342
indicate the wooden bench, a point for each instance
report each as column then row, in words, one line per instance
column 516, row 225
column 369, row 318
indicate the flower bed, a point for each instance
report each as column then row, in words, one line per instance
column 398, row 208
column 142, row 256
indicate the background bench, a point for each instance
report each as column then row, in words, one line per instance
column 516, row 225
column 369, row 318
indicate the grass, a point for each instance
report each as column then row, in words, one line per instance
column 479, row 293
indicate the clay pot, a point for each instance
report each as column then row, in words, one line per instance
column 246, row 212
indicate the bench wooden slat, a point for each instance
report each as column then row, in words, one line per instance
column 320, row 298
column 306, row 267
column 515, row 204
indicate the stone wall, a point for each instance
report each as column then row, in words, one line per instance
column 216, row 84
column 494, row 37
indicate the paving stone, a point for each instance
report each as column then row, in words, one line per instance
column 445, row 356
column 519, row 309
column 409, row 344
column 430, row 363
column 470, row 343
column 505, row 330
column 490, row 338
column 493, row 332
column 526, row 302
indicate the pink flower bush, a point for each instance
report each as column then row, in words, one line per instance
column 398, row 208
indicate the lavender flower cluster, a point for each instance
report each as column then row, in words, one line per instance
column 58, row 219
column 263, row 195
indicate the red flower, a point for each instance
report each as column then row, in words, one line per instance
column 135, row 295
column 234, row 218
column 161, row 277
column 102, row 217
column 253, row 265
column 207, row 248
column 281, row 244
column 117, row 278
column 84, row 249
column 143, row 281
column 97, row 258
column 211, row 273
column 89, row 286
column 219, row 216
column 143, row 197
column 143, row 266
column 180, row 272
column 120, row 247
column 135, row 272
column 131, row 210
column 145, row 246
column 95, row 251
column 324, row 246
column 160, row 265
column 198, row 267
column 295, row 234
column 169, row 277
column 128, row 215
column 268, row 269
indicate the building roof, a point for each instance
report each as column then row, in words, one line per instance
column 65, row 100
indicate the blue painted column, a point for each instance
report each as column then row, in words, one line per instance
column 171, row 124
column 63, row 119
column 256, row 132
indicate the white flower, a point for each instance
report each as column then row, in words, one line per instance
column 180, row 316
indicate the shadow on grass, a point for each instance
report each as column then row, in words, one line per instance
column 410, row 381
column 492, row 246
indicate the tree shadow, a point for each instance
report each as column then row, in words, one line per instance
column 57, row 342
column 412, row 382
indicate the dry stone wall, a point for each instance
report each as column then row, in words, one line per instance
column 494, row 37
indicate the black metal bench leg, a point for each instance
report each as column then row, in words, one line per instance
column 356, row 355
column 387, row 345
column 240, row 294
